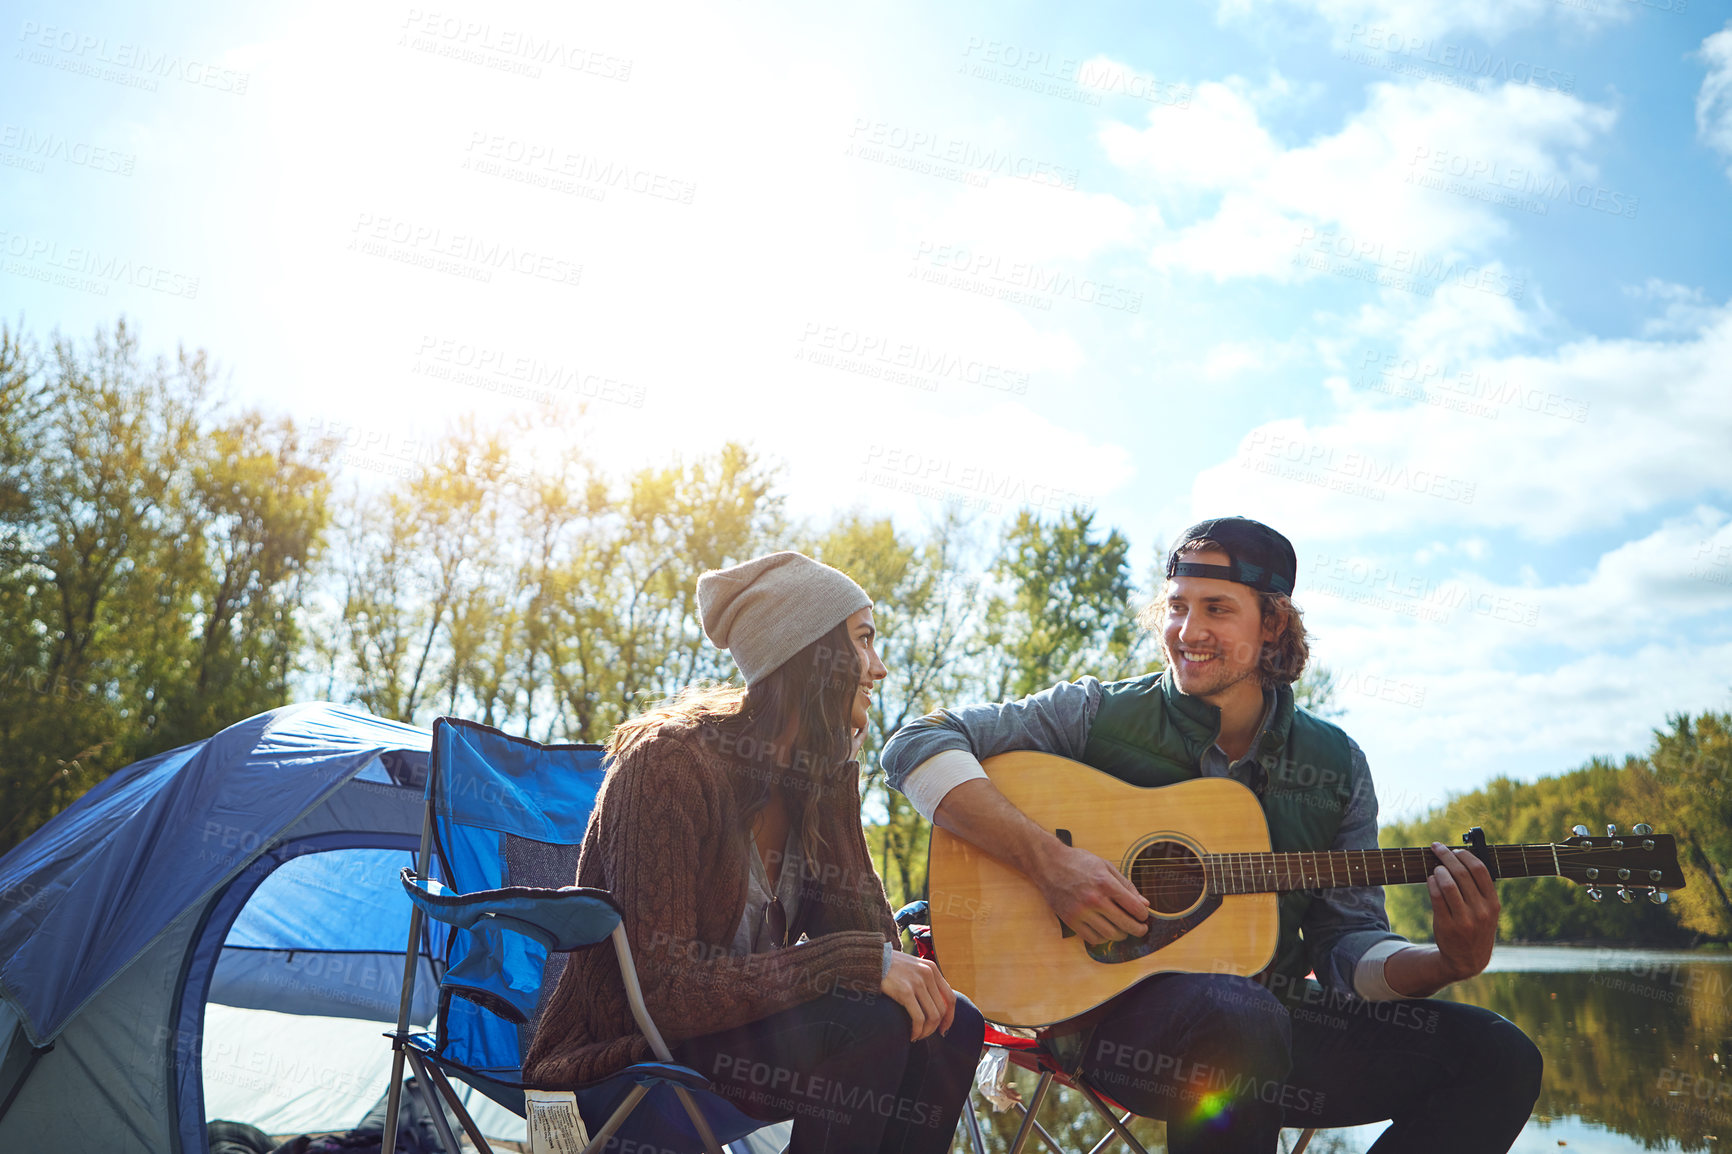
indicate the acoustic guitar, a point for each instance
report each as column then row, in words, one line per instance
column 1199, row 853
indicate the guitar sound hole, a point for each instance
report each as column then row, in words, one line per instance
column 1169, row 875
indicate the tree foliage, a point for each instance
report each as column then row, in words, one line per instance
column 1680, row 788
column 1061, row 606
column 156, row 548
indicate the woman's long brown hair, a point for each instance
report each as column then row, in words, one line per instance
column 816, row 687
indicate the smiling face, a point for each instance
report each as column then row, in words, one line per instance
column 1214, row 634
column 864, row 635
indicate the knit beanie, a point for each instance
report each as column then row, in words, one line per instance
column 765, row 610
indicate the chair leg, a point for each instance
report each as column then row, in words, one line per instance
column 463, row 1119
column 698, row 1120
column 1033, row 1108
column 1111, row 1135
column 1117, row 1124
column 1304, row 1141
column 973, row 1121
column 620, row 1113
column 1051, row 1142
column 394, row 1094
column 430, row 1100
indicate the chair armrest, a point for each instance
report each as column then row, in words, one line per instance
column 563, row 919
column 567, row 918
column 911, row 913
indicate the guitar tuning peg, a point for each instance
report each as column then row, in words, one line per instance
column 1658, row 897
column 1594, row 894
column 1624, row 895
column 1611, row 830
column 1579, row 830
column 1642, row 829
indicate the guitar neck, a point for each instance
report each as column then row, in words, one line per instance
column 1261, row 873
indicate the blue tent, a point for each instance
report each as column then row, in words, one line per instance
column 256, row 869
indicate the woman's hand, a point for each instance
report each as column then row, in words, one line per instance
column 920, row 989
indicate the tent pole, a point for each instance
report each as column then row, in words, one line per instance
column 394, row 1094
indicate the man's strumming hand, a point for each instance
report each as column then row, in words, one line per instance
column 1084, row 891
column 1090, row 896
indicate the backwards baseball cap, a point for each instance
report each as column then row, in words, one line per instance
column 1259, row 556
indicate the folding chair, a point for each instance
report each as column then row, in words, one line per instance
column 1036, row 1055
column 504, row 821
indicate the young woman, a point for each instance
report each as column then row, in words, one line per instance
column 728, row 829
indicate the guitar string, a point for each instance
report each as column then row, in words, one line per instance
column 1343, row 857
column 1240, row 873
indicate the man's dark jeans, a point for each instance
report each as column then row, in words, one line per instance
column 843, row 1068
column 1228, row 1063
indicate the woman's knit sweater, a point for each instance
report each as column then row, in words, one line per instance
column 666, row 840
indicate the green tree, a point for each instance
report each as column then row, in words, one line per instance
column 155, row 548
column 1061, row 606
column 924, row 598
column 621, row 591
column 1538, row 813
column 1692, row 766
column 535, row 594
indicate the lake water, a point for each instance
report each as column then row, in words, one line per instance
column 1637, row 1043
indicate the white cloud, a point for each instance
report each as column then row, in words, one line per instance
column 1488, row 18
column 1216, row 141
column 1232, row 358
column 1038, row 222
column 1530, row 724
column 1687, row 310
column 1474, row 443
column 1414, row 652
column 1413, row 175
column 1714, row 98
column 1648, row 588
column 1456, row 321
column 990, row 462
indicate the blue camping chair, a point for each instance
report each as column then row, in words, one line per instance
column 505, row 819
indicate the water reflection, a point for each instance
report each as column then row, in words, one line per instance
column 1638, row 1049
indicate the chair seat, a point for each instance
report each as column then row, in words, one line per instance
column 660, row 1121
column 663, row 1123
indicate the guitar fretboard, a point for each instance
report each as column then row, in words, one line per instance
column 1261, row 873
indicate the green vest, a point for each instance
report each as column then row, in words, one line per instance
column 1147, row 733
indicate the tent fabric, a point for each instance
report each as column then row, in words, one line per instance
column 238, row 868
column 113, row 872
column 293, row 1074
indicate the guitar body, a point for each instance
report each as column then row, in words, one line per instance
column 1000, row 943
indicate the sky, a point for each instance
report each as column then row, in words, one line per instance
column 1440, row 290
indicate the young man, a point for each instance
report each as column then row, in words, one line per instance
column 1229, row 1060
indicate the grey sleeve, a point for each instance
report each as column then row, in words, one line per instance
column 1055, row 720
column 1344, row 923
